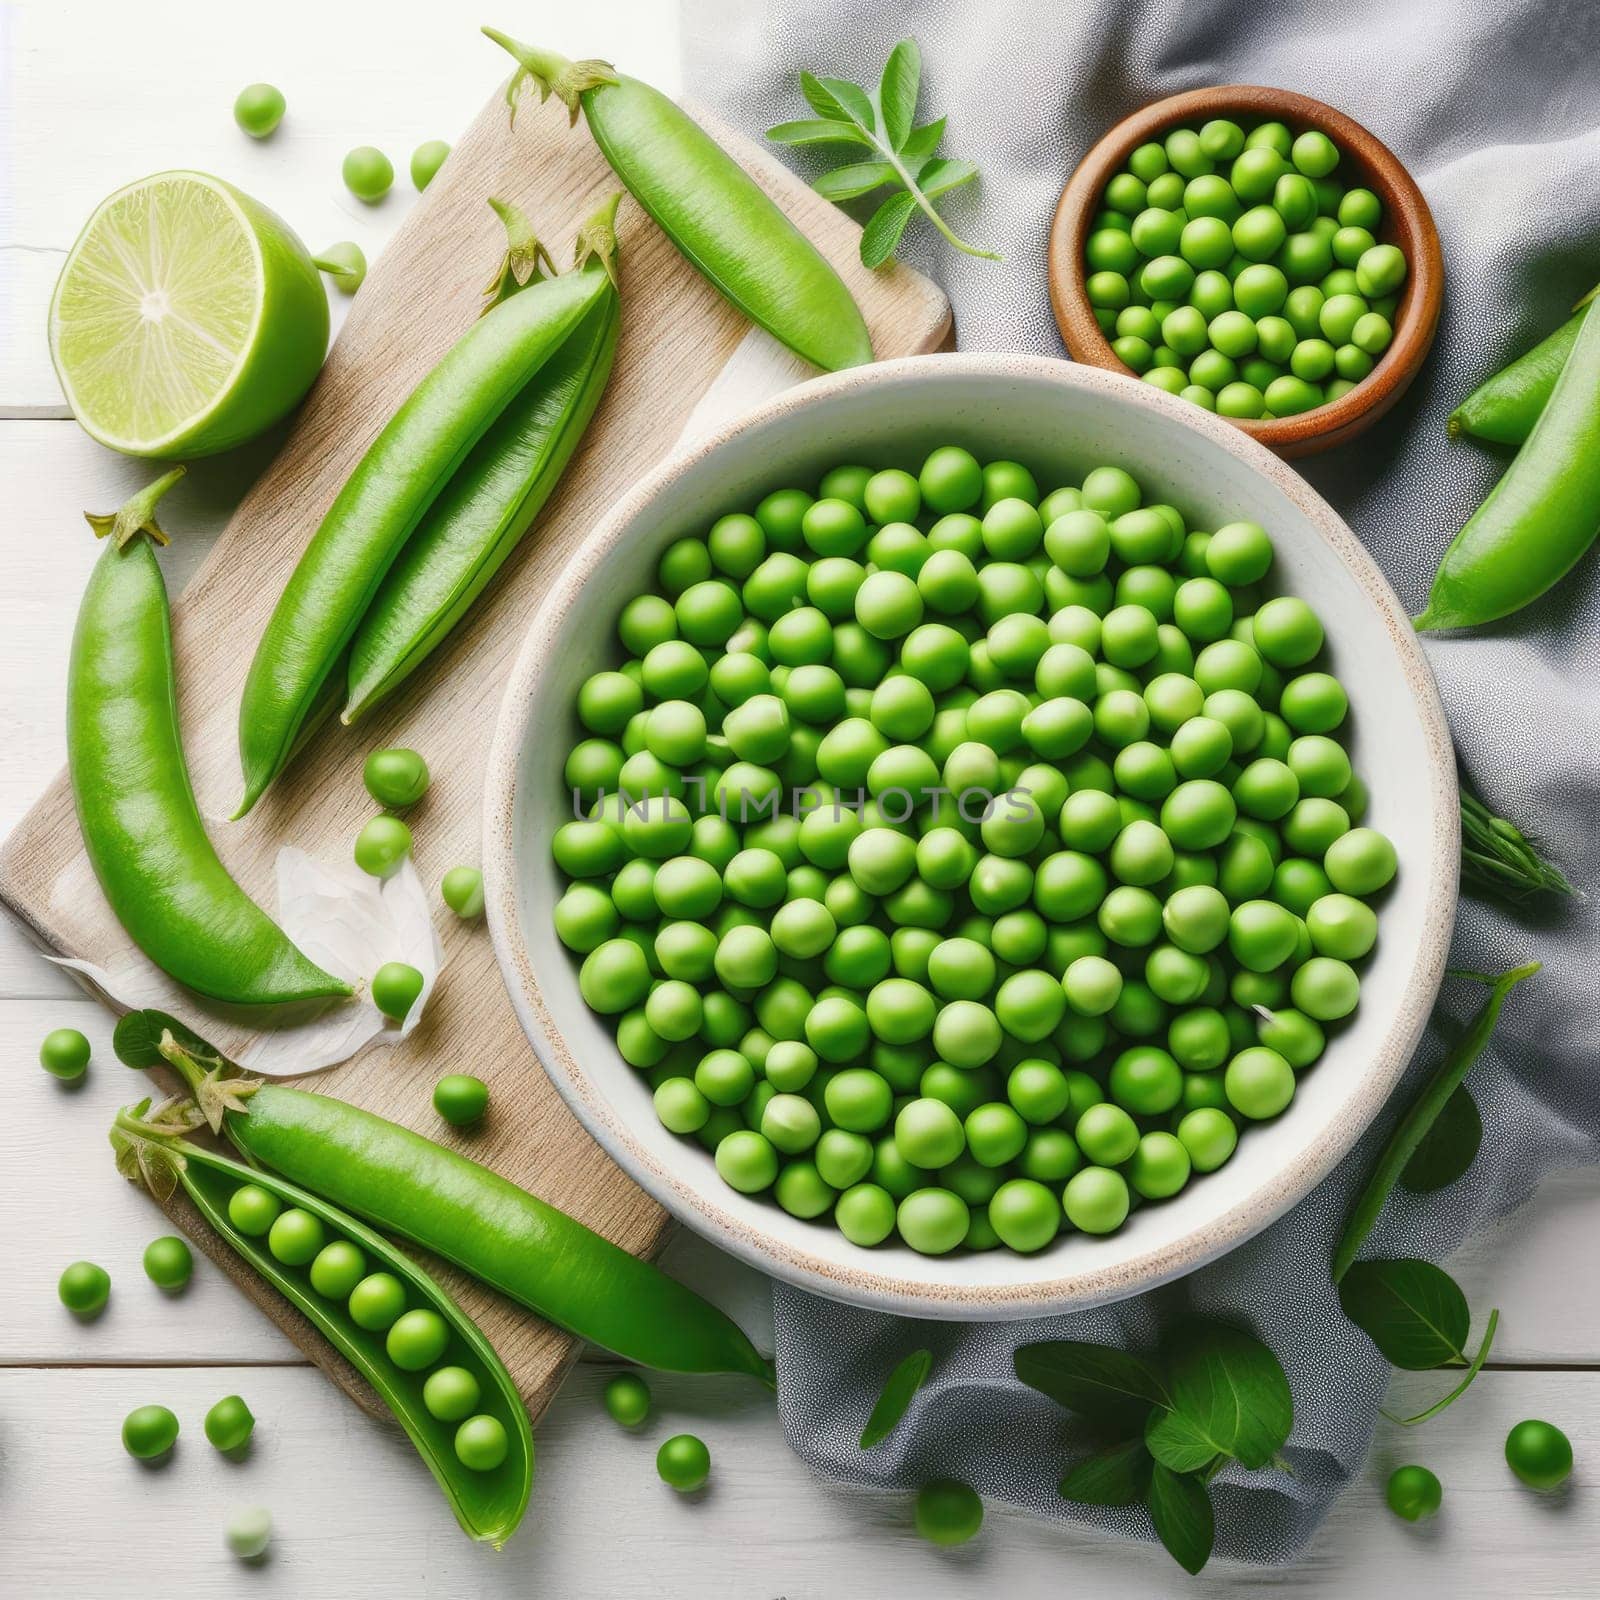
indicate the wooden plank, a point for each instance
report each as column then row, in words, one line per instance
column 676, row 336
column 357, row 1516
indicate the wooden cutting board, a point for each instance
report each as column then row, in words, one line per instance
column 676, row 335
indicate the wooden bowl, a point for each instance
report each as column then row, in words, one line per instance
column 1407, row 222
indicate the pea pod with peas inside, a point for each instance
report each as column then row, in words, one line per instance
column 491, row 501
column 1542, row 515
column 381, row 504
column 720, row 219
column 409, row 1186
column 141, row 827
column 425, row 1358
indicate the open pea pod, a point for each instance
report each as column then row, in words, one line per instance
column 152, row 1150
column 722, row 221
column 530, row 1251
column 483, row 512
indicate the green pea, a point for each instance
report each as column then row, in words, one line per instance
column 1259, row 1083
column 451, row 1394
column 84, row 1288
column 229, row 1424
column 149, row 1432
column 168, row 1262
column 1096, row 1200
column 426, row 160
column 368, row 173
column 461, row 889
column 396, row 987
column 253, row 1210
column 1413, row 1493
column 64, row 1053
column 259, row 109
column 683, row 1463
column 627, row 1399
column 461, row 1099
column 377, row 1301
column 382, row 846
column 337, row 1268
column 416, row 1339
column 248, row 1531
column 1540, row 1454
column 481, row 1443
column 296, row 1237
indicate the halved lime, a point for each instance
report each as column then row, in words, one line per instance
column 188, row 318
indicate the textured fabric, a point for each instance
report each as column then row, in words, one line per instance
column 1494, row 109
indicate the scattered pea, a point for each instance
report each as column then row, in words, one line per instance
column 149, row 1432
column 461, row 1099
column 368, row 173
column 948, row 1512
column 627, row 1399
column 168, row 1262
column 382, row 846
column 1540, row 1454
column 395, row 988
column 259, row 109
column 64, row 1054
column 683, row 1462
column 84, row 1288
column 426, row 160
column 461, row 889
column 229, row 1424
column 248, row 1531
column 395, row 778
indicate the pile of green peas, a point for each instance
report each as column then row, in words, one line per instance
column 1235, row 269
column 1000, row 856
column 415, row 1338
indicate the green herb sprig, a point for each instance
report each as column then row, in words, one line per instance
column 1499, row 861
column 900, row 154
column 1168, row 1423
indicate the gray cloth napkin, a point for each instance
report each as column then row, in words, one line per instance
column 1496, row 111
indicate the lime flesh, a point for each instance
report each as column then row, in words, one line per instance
column 187, row 318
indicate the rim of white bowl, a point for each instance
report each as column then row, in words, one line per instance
column 867, row 1284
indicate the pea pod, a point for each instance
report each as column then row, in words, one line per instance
column 727, row 228
column 381, row 503
column 1504, row 407
column 1542, row 515
column 152, row 1149
column 486, row 508
column 407, row 1185
column 141, row 827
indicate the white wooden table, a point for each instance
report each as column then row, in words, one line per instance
column 94, row 93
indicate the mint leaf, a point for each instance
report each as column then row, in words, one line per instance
column 825, row 131
column 1228, row 1397
column 1180, row 1508
column 881, row 236
column 899, row 1389
column 921, row 142
column 820, row 100
column 897, row 91
column 1109, row 1387
column 853, row 101
column 860, row 177
column 1413, row 1311
column 1118, row 1476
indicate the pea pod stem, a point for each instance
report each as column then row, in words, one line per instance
column 1540, row 518
column 154, row 1150
column 499, row 1233
column 1425, row 1109
column 482, row 514
column 1505, row 406
column 141, row 828
column 722, row 222
column 1499, row 861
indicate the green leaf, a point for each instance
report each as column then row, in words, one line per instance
column 1180, row 1508
column 1117, row 1476
column 921, row 142
column 1461, row 1388
column 881, row 235
column 1229, row 1397
column 860, row 177
column 941, row 176
column 1109, row 1387
column 852, row 101
column 136, row 1039
column 1448, row 1148
column 1413, row 1311
column 821, row 100
column 897, row 91
column 899, row 1389
column 816, row 132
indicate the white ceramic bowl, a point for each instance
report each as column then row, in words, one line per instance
column 1059, row 419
